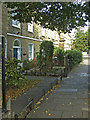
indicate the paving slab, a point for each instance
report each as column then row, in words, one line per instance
column 70, row 100
column 33, row 94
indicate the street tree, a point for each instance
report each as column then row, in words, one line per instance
column 81, row 40
column 58, row 16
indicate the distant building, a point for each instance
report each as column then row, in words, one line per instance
column 67, row 41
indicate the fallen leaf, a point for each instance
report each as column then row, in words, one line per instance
column 48, row 91
column 41, row 99
column 49, row 114
column 70, row 103
column 46, row 111
column 46, row 98
column 51, row 90
column 57, row 85
column 38, row 103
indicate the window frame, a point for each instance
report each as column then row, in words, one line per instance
column 18, row 25
column 31, row 27
column 49, row 35
column 32, row 51
column 18, row 47
column 53, row 35
column 43, row 32
column 57, row 36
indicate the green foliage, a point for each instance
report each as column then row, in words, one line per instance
column 29, row 64
column 13, row 72
column 81, row 40
column 74, row 57
column 59, row 53
column 45, row 55
column 26, row 64
column 61, row 15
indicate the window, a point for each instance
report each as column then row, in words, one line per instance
column 15, row 23
column 48, row 33
column 53, row 35
column 30, row 27
column 17, row 49
column 57, row 36
column 31, row 51
column 43, row 32
column 16, row 43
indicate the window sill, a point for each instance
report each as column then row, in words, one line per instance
column 30, row 31
column 43, row 35
column 16, row 26
column 48, row 37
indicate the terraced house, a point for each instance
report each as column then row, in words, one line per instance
column 22, row 40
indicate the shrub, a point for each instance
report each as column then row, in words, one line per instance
column 74, row 57
column 59, row 54
column 45, row 55
column 29, row 64
column 13, row 72
column 26, row 64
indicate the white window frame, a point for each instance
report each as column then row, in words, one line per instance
column 43, row 31
column 53, row 35
column 30, row 27
column 19, row 48
column 49, row 35
column 18, row 23
column 32, row 51
column 57, row 36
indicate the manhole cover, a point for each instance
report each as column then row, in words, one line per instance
column 67, row 90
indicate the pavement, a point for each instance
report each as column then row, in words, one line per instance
column 85, row 55
column 18, row 105
column 0, row 89
column 69, row 100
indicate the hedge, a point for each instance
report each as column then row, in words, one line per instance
column 74, row 57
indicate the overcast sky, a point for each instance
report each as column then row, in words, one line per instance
column 74, row 30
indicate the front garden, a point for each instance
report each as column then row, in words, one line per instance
column 49, row 61
column 16, row 82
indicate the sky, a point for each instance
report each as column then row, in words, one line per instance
column 72, row 34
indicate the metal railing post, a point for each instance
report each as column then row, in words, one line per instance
column 3, row 76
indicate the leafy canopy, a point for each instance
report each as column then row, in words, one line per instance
column 62, row 16
column 81, row 40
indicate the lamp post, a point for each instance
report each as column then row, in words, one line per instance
column 3, row 76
